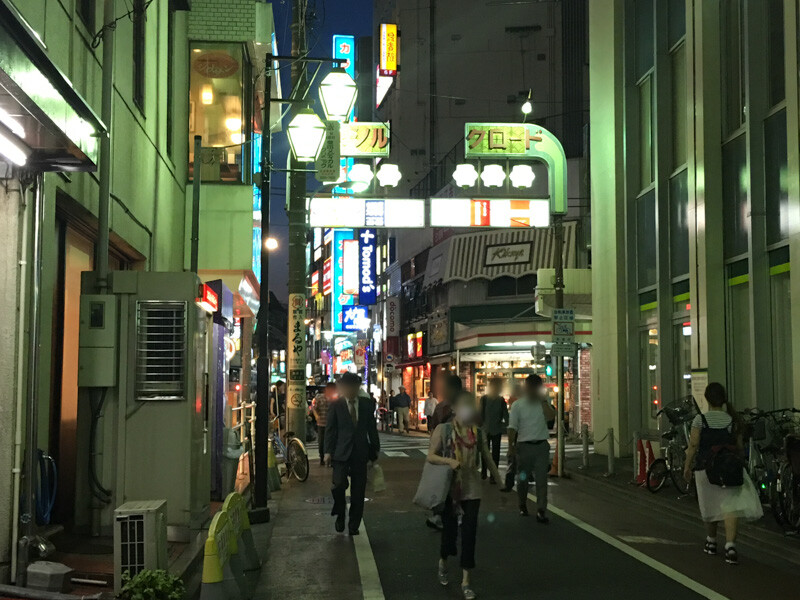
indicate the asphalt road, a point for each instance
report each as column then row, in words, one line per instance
column 598, row 545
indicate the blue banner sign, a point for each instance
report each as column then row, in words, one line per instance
column 367, row 267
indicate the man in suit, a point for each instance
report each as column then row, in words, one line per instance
column 351, row 440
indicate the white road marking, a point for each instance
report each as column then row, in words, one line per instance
column 395, row 454
column 367, row 569
column 644, row 539
column 640, row 556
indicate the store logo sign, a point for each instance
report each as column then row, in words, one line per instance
column 367, row 290
column 508, row 254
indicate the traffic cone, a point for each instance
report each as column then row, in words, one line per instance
column 554, row 466
column 641, row 477
column 273, row 476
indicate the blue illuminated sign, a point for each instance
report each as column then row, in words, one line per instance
column 367, row 267
column 339, row 299
column 355, row 318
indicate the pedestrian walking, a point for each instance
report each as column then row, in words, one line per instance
column 402, row 403
column 716, row 452
column 351, row 441
column 450, row 387
column 430, row 406
column 458, row 444
column 320, row 409
column 494, row 419
column 529, row 444
column 511, row 469
column 279, row 403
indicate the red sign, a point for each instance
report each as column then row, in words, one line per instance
column 480, row 213
column 215, row 65
column 419, row 344
column 315, row 283
column 207, row 299
column 327, row 277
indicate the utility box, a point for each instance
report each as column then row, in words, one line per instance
column 97, row 357
column 140, row 538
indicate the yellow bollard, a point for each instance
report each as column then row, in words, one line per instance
column 273, row 476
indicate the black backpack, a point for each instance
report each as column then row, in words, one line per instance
column 724, row 464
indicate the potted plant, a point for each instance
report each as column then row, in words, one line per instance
column 152, row 585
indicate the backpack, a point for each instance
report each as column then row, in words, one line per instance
column 724, row 465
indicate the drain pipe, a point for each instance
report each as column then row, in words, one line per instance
column 101, row 260
column 28, row 513
column 19, row 407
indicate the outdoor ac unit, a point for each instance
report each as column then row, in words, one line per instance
column 140, row 538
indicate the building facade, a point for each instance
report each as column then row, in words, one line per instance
column 695, row 205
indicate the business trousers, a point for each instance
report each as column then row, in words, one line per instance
column 402, row 419
column 533, row 461
column 321, row 440
column 469, row 531
column 356, row 470
column 493, row 441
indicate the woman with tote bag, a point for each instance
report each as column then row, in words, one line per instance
column 458, row 445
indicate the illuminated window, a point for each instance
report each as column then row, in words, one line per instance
column 216, row 111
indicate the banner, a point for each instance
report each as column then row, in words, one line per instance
column 392, row 327
column 296, row 352
column 367, row 246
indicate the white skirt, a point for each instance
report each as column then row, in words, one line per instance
column 718, row 502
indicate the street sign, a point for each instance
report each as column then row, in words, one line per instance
column 328, row 168
column 564, row 326
column 364, row 139
column 562, row 349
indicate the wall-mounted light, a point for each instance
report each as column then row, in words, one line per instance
column 465, row 175
column 388, row 175
column 233, row 124
column 493, row 176
column 207, row 94
column 522, row 176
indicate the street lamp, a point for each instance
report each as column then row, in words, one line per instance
column 388, row 175
column 337, row 92
column 271, row 244
column 361, row 176
column 306, row 135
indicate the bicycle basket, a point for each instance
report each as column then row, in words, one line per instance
column 679, row 411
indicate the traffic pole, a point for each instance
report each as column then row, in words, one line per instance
column 558, row 234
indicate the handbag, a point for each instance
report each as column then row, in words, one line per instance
column 434, row 486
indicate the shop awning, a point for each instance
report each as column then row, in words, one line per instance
column 516, row 336
column 498, row 253
column 44, row 117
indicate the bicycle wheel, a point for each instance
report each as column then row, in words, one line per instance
column 297, row 460
column 790, row 498
column 775, row 498
column 677, row 458
column 657, row 475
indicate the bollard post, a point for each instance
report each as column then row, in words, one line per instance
column 635, row 453
column 611, row 467
column 585, row 440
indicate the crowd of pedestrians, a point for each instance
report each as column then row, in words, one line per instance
column 465, row 437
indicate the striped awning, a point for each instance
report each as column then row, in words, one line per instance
column 473, row 255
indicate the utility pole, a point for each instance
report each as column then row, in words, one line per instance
column 296, row 407
column 558, row 234
column 264, row 361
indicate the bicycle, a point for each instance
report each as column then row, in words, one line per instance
column 293, row 453
column 788, row 486
column 679, row 415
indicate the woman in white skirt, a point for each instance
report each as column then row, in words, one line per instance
column 720, row 426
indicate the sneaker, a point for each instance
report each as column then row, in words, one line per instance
column 731, row 555
column 523, row 511
column 541, row 517
column 469, row 593
column 710, row 547
column 434, row 522
column 443, row 579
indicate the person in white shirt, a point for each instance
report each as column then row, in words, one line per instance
column 529, row 444
column 430, row 406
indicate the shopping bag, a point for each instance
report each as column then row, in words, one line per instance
column 434, row 486
column 376, row 479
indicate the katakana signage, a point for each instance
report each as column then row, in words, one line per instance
column 363, row 139
column 521, row 141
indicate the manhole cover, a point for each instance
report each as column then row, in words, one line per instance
column 326, row 500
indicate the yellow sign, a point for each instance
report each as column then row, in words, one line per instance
column 388, row 65
column 364, row 139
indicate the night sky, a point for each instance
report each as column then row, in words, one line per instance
column 326, row 18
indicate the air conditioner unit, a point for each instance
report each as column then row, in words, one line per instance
column 140, row 538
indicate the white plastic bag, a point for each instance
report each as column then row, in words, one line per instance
column 375, row 477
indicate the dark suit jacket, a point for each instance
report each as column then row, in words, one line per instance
column 343, row 440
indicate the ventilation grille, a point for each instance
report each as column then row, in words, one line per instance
column 131, row 544
column 161, row 351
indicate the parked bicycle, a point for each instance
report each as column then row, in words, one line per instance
column 788, row 488
column 293, row 453
column 675, row 440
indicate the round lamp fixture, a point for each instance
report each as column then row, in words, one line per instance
column 388, row 175
column 271, row 244
column 522, row 176
column 306, row 135
column 337, row 92
column 527, row 107
column 493, row 176
column 360, row 175
column 465, row 175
